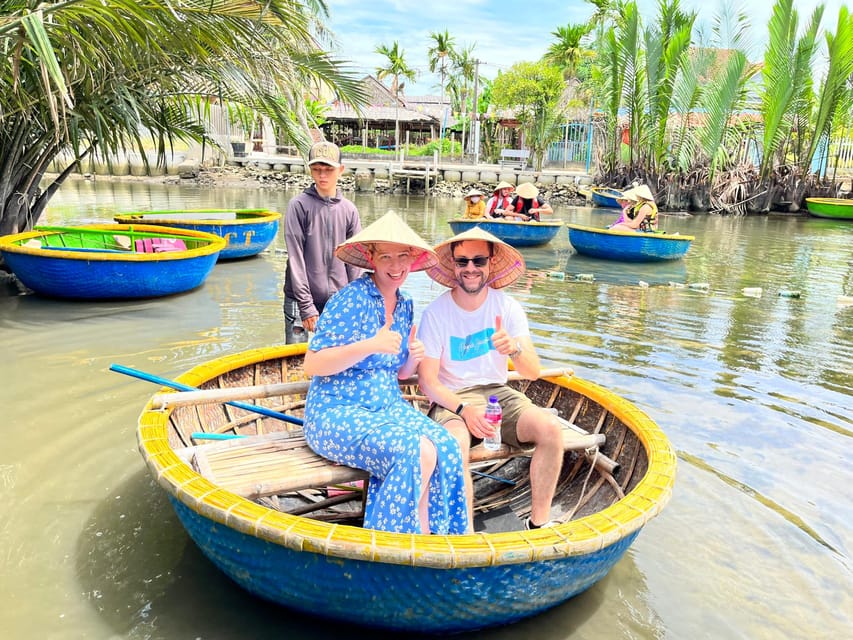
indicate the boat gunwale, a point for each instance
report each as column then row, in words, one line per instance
column 630, row 234
column 527, row 223
column 585, row 535
column 215, row 243
column 264, row 216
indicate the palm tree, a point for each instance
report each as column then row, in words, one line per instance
column 396, row 67
column 100, row 77
column 464, row 66
column 439, row 53
column 566, row 53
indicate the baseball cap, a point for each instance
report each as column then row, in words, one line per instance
column 325, row 153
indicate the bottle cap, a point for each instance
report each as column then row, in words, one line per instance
column 493, row 398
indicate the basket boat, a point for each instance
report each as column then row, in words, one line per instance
column 627, row 246
column 605, row 197
column 247, row 231
column 514, row 232
column 834, row 208
column 306, row 551
column 111, row 261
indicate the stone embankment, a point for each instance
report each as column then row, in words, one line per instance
column 238, row 176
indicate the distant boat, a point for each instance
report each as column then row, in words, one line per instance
column 248, row 231
column 280, row 521
column 111, row 261
column 834, row 208
column 605, row 197
column 513, row 232
column 630, row 246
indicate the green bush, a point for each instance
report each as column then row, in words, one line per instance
column 447, row 148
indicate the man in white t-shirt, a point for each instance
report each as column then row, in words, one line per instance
column 469, row 333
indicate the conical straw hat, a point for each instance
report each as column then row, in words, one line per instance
column 628, row 194
column 503, row 185
column 507, row 265
column 643, row 191
column 389, row 228
column 527, row 191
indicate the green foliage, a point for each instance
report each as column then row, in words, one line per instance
column 532, row 90
column 448, row 148
column 88, row 77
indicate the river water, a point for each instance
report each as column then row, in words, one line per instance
column 755, row 393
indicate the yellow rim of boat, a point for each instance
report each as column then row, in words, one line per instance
column 215, row 243
column 535, row 223
column 610, row 232
column 577, row 537
column 150, row 217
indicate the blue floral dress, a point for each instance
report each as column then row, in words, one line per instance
column 359, row 418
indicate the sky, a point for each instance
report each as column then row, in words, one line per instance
column 504, row 32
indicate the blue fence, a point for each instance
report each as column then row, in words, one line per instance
column 574, row 146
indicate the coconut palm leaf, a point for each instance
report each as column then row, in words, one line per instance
column 840, row 69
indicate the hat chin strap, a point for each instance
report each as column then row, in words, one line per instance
column 419, row 261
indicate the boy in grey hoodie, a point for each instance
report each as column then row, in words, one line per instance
column 317, row 221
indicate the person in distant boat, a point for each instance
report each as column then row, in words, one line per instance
column 500, row 200
column 626, row 202
column 475, row 206
column 470, row 333
column 643, row 215
column 527, row 205
column 355, row 413
column 317, row 220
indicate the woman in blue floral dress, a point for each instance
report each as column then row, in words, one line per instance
column 355, row 413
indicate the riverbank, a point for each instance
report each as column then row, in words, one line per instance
column 253, row 177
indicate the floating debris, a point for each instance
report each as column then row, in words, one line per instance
column 557, row 275
column 699, row 286
column 787, row 293
column 845, row 301
column 585, row 277
column 752, row 292
column 643, row 284
column 676, row 285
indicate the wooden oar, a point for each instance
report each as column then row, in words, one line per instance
column 185, row 387
column 212, row 396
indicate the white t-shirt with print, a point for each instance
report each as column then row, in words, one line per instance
column 462, row 340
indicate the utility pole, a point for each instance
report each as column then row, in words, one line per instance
column 476, row 135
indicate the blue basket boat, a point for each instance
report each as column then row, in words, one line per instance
column 112, row 261
column 628, row 247
column 514, row 232
column 248, row 231
column 605, row 197
column 305, row 550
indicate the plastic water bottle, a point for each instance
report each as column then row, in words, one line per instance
column 493, row 415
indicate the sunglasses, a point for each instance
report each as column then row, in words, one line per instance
column 479, row 261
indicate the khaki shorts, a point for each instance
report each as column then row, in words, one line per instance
column 513, row 404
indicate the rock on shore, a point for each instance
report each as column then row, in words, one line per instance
column 249, row 177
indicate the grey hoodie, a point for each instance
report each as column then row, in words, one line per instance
column 313, row 227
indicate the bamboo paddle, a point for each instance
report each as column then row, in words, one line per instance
column 212, row 396
column 185, row 387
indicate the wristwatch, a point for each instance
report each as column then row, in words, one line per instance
column 517, row 352
column 460, row 408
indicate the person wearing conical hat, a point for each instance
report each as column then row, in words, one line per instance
column 475, row 206
column 470, row 333
column 642, row 215
column 355, row 414
column 527, row 205
column 500, row 200
column 626, row 202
